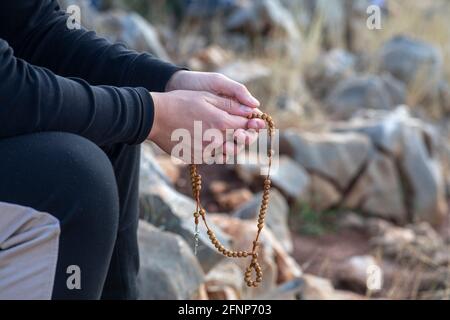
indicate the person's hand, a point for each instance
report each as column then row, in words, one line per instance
column 179, row 109
column 215, row 83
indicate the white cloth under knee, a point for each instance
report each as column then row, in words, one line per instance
column 28, row 252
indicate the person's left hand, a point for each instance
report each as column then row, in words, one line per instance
column 215, row 83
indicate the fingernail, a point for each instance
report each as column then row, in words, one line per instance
column 246, row 109
column 261, row 124
column 253, row 101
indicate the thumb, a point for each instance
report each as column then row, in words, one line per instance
column 231, row 88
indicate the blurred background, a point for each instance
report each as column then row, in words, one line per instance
column 359, row 208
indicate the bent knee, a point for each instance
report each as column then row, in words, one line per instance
column 60, row 171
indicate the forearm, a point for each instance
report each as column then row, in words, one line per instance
column 38, row 33
column 33, row 99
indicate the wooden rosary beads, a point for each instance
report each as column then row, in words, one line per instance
column 196, row 181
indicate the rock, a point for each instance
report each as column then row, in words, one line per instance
column 206, row 9
column 416, row 63
column 358, row 35
column 444, row 96
column 412, row 144
column 262, row 18
column 352, row 220
column 316, row 288
column 336, row 157
column 418, row 241
column 364, row 92
column 276, row 217
column 331, row 16
column 169, row 167
column 170, row 210
column 290, row 178
column 289, row 290
column 380, row 183
column 131, row 29
column 353, row 273
column 290, row 106
column 246, row 72
column 321, row 195
column 168, row 269
column 233, row 199
column 256, row 76
column 151, row 172
column 328, row 70
column 225, row 281
column 287, row 176
column 210, row 58
column 218, row 186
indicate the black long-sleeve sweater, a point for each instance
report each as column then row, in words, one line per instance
column 56, row 79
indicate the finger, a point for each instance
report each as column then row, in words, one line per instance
column 252, row 136
column 256, row 124
column 240, row 137
column 245, row 137
column 230, row 149
column 229, row 105
column 229, row 121
column 231, row 88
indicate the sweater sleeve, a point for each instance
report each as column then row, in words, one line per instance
column 34, row 99
column 38, row 33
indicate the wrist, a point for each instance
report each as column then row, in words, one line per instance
column 175, row 81
column 156, row 97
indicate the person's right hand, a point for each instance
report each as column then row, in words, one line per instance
column 179, row 109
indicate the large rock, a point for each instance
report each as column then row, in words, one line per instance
column 416, row 63
column 335, row 157
column 276, row 217
column 286, row 175
column 206, row 9
column 246, row 72
column 329, row 15
column 353, row 273
column 225, row 281
column 166, row 208
column 417, row 242
column 317, row 288
column 364, row 92
column 412, row 144
column 168, row 269
column 358, row 35
column 328, row 70
column 232, row 199
column 131, row 29
column 321, row 195
column 268, row 20
column 378, row 190
column 263, row 17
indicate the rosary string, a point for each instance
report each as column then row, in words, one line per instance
column 196, row 181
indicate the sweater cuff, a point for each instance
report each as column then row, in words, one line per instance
column 151, row 73
column 148, row 112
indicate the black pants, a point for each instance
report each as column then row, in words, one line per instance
column 94, row 193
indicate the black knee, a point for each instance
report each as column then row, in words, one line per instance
column 62, row 174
